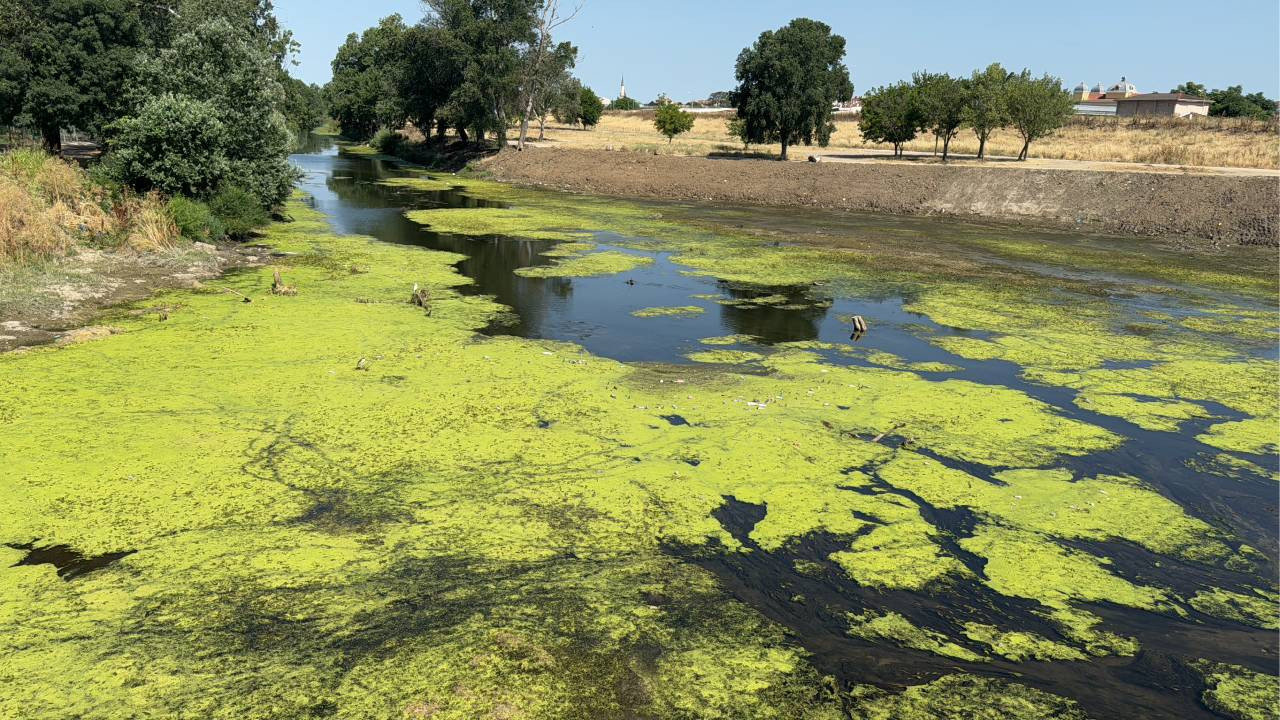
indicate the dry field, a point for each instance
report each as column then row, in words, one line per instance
column 1210, row 142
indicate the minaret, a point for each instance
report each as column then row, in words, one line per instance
column 622, row 92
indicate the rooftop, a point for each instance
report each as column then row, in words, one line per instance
column 1180, row 97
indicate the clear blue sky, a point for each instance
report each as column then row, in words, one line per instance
column 687, row 48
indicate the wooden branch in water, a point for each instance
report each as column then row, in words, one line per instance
column 882, row 435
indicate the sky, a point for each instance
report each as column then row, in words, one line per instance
column 686, row 49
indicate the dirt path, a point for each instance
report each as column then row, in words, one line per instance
column 1204, row 208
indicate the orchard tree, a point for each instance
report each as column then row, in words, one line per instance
column 67, row 63
column 942, row 100
column 890, row 115
column 1037, row 107
column 789, row 80
column 987, row 106
column 671, row 121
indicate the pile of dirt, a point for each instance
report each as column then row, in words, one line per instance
column 1222, row 209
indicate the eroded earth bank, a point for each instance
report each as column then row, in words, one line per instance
column 625, row 460
column 1190, row 207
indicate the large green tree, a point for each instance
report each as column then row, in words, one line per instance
column 1232, row 102
column 941, row 100
column 1191, row 88
column 493, row 34
column 788, row 81
column 427, row 71
column 544, row 61
column 1037, row 107
column 890, row 114
column 233, row 71
column 67, row 63
column 363, row 93
column 987, row 106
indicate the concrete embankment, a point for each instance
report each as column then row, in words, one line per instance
column 1228, row 209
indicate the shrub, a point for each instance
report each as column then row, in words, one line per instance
column 194, row 219
column 238, row 211
column 174, row 144
column 671, row 121
column 150, row 225
column 387, row 141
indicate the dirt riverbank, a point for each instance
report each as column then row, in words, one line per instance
column 1208, row 208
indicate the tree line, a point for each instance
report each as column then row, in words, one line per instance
column 1232, row 102
column 984, row 102
column 189, row 97
column 472, row 66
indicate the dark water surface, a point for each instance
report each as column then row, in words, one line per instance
column 596, row 314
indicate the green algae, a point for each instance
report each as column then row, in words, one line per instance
column 963, row 697
column 1239, row 693
column 725, row 357
column 1260, row 609
column 727, row 340
column 568, row 249
column 1018, row 646
column 896, row 629
column 610, row 262
column 322, row 539
column 889, row 360
column 677, row 311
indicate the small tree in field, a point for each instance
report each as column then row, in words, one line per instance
column 590, row 108
column 625, row 103
column 890, row 115
column 671, row 120
column 988, row 107
column 1037, row 107
column 942, row 100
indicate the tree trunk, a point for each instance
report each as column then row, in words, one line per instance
column 784, row 150
column 524, row 122
column 982, row 147
column 935, row 144
column 946, row 145
column 52, row 135
column 1026, row 144
column 542, row 127
column 441, row 126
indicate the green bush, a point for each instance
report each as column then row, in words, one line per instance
column 625, row 103
column 195, row 219
column 174, row 144
column 238, row 210
column 387, row 141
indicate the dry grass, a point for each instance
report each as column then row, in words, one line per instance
column 48, row 206
column 1207, row 142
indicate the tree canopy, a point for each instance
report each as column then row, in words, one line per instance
column 987, row 106
column 788, row 82
column 942, row 100
column 890, row 114
column 671, row 121
column 1037, row 106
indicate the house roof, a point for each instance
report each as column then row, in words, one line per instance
column 1097, row 101
column 1180, row 97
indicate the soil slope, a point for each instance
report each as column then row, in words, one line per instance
column 1204, row 207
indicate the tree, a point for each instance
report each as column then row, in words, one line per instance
column 590, row 108
column 426, row 70
column 1232, row 102
column 67, row 63
column 737, row 128
column 492, row 33
column 235, row 72
column 789, row 80
column 544, row 62
column 625, row 103
column 890, row 115
column 942, row 100
column 363, row 94
column 987, row 109
column 672, row 121
column 1037, row 107
column 174, row 144
column 1191, row 88
column 304, row 106
column 721, row 98
column 566, row 104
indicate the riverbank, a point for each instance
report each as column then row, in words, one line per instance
column 1204, row 209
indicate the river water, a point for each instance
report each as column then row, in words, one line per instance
column 596, row 313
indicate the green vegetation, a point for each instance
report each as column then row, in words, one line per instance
column 671, row 121
column 1239, row 693
column 1232, row 102
column 624, row 103
column 986, row 101
column 963, row 697
column 787, row 82
column 679, row 311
